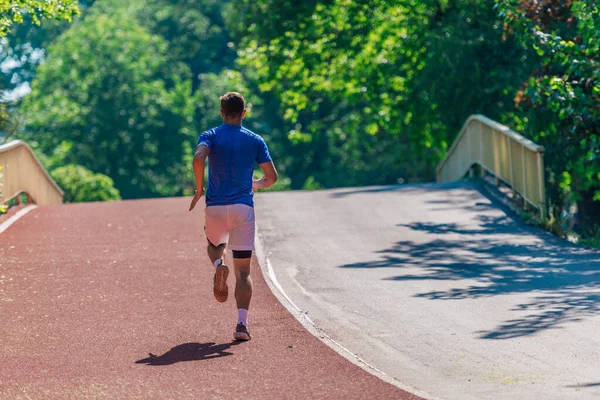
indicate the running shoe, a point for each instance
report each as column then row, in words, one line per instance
column 241, row 332
column 220, row 289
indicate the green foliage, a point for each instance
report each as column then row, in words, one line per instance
column 12, row 11
column 373, row 91
column 4, row 117
column 311, row 184
column 81, row 184
column 283, row 183
column 212, row 86
column 110, row 88
column 22, row 50
column 20, row 46
column 592, row 240
column 560, row 102
column 195, row 31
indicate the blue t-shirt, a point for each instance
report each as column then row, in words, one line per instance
column 233, row 152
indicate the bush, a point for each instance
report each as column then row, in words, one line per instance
column 311, row 184
column 592, row 240
column 80, row 184
column 558, row 104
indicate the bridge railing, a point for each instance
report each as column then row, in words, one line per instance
column 24, row 174
column 510, row 157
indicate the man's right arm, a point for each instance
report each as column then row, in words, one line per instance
column 268, row 179
column 202, row 151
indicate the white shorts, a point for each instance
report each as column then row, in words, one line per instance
column 232, row 224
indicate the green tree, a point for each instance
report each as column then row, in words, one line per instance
column 212, row 86
column 20, row 50
column 559, row 104
column 375, row 91
column 4, row 117
column 23, row 49
column 110, row 88
column 12, row 11
column 195, row 30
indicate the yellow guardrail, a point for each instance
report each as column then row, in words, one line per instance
column 510, row 157
column 23, row 173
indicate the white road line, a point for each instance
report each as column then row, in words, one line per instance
column 276, row 282
column 273, row 283
column 6, row 224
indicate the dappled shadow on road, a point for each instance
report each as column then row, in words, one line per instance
column 189, row 352
column 498, row 255
column 548, row 312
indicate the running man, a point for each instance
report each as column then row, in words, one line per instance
column 232, row 151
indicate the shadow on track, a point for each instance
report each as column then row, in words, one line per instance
column 189, row 352
column 503, row 256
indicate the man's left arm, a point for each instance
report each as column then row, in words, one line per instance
column 202, row 151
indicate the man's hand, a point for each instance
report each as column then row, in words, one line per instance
column 197, row 196
column 268, row 180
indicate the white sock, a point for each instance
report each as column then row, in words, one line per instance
column 243, row 316
column 218, row 262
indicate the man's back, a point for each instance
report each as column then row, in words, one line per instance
column 233, row 152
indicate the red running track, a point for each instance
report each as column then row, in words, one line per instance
column 88, row 291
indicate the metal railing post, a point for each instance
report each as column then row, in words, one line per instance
column 523, row 167
column 542, row 186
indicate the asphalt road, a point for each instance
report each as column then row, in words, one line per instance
column 440, row 288
column 114, row 301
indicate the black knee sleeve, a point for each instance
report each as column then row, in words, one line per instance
column 242, row 253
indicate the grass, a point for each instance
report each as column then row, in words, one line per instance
column 592, row 241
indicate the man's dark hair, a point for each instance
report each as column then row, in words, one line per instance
column 233, row 104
